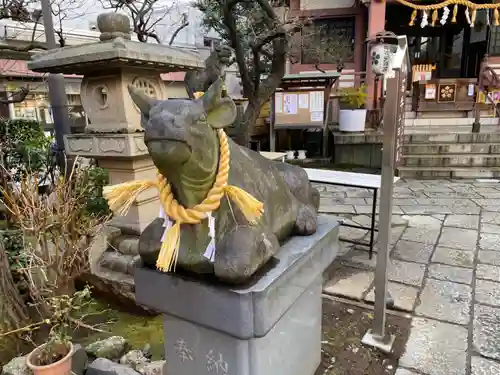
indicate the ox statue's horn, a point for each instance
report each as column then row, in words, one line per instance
column 144, row 102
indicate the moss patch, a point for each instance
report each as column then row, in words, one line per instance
column 137, row 330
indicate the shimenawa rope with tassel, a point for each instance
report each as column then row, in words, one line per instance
column 120, row 197
column 472, row 7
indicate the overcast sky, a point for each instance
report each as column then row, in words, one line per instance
column 86, row 14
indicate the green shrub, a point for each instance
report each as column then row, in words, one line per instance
column 24, row 146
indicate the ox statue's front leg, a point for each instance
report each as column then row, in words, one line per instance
column 243, row 251
column 307, row 220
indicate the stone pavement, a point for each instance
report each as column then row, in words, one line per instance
column 445, row 270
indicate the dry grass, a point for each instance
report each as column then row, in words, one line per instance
column 58, row 231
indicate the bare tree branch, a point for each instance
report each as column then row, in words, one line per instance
column 185, row 23
column 16, row 97
column 146, row 15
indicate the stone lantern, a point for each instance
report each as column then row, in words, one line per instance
column 114, row 134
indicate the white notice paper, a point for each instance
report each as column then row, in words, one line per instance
column 316, row 98
column 317, row 116
column 290, row 104
column 278, row 103
column 303, row 101
column 470, row 90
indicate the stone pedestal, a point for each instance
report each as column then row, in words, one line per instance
column 272, row 326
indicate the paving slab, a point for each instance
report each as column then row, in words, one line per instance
column 358, row 259
column 406, row 272
column 349, row 282
column 404, row 296
column 488, row 272
column 352, row 233
column 329, row 207
column 446, row 301
column 454, row 257
column 427, row 236
column 359, row 193
column 489, row 257
column 491, row 217
column 367, row 210
column 462, row 221
column 485, row 203
column 412, row 251
column 342, row 200
column 402, row 371
column 436, row 348
column 422, row 209
column 488, row 241
column 486, row 338
column 483, row 366
column 466, row 210
column 487, row 292
column 490, row 228
column 423, row 221
column 450, row 273
column 463, row 239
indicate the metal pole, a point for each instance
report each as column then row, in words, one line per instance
column 377, row 336
column 57, row 92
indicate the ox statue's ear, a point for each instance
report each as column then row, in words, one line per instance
column 141, row 100
column 221, row 112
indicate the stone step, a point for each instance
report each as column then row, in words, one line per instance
column 448, row 172
column 119, row 262
column 452, row 160
column 450, row 148
column 454, row 138
column 447, row 121
column 126, row 244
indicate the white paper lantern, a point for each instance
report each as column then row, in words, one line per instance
column 381, row 57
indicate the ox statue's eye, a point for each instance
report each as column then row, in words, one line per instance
column 203, row 118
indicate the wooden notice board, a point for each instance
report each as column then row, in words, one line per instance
column 299, row 109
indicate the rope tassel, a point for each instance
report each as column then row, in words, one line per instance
column 250, row 207
column 455, row 11
column 434, row 17
column 473, row 18
column 121, row 197
column 496, row 16
column 169, row 250
column 413, row 17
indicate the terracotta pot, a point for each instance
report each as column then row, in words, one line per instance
column 61, row 367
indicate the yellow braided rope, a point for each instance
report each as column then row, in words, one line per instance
column 120, row 197
column 466, row 3
column 445, row 3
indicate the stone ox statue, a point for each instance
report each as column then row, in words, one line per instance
column 181, row 136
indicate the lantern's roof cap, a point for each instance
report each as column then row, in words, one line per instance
column 116, row 53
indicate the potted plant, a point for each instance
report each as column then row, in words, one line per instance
column 352, row 117
column 54, row 357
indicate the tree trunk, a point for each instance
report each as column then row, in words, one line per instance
column 13, row 311
column 248, row 123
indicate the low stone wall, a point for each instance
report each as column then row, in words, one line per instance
column 358, row 150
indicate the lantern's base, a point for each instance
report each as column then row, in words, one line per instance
column 272, row 326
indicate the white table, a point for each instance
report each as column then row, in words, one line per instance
column 273, row 155
column 356, row 180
